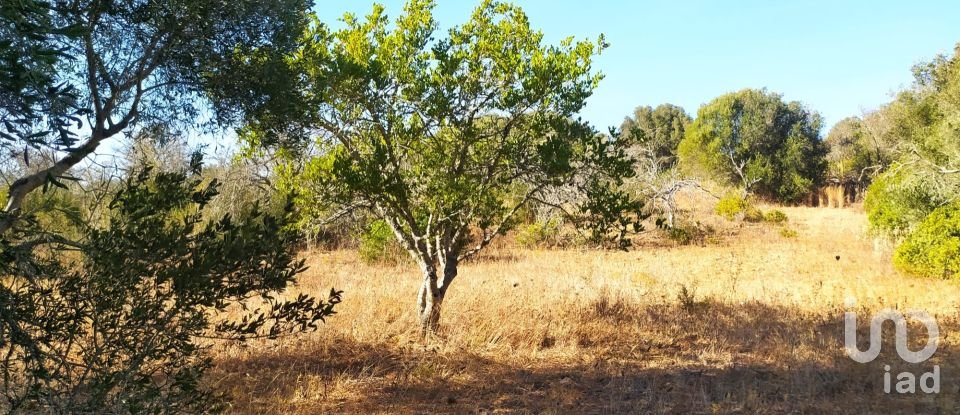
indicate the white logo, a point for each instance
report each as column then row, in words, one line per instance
column 906, row 380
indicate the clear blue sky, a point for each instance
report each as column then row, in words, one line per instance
column 837, row 57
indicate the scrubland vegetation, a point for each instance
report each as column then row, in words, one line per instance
column 417, row 221
column 750, row 322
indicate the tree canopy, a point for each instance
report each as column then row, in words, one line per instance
column 854, row 156
column 755, row 139
column 107, row 315
column 922, row 139
column 446, row 138
column 662, row 129
column 95, row 70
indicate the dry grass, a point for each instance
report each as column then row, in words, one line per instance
column 750, row 325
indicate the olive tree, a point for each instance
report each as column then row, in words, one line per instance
column 854, row 155
column 447, row 138
column 755, row 139
column 662, row 127
column 98, row 69
column 921, row 137
column 115, row 315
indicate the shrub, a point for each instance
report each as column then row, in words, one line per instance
column 736, row 207
column 689, row 233
column 933, row 249
column 788, row 233
column 894, row 204
column 687, row 298
column 679, row 235
column 752, row 214
column 775, row 216
column 731, row 206
column 541, row 234
column 118, row 320
column 378, row 245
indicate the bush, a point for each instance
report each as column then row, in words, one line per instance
column 378, row 244
column 689, row 233
column 541, row 234
column 775, row 216
column 731, row 206
column 752, row 214
column 680, row 235
column 788, row 233
column 933, row 249
column 895, row 204
column 736, row 207
column 118, row 320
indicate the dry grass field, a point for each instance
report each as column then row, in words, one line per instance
column 749, row 324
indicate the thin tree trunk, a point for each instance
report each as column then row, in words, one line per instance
column 429, row 302
column 431, row 294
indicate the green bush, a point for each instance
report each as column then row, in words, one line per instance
column 734, row 207
column 894, row 204
column 378, row 244
column 689, row 233
column 731, row 206
column 117, row 318
column 752, row 214
column 775, row 216
column 541, row 234
column 788, row 233
column 680, row 235
column 933, row 249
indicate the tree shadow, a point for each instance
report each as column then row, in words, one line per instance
column 779, row 360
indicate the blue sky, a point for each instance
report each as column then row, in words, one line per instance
column 837, row 57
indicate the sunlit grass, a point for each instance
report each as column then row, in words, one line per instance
column 750, row 324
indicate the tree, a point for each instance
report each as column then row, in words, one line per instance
column 854, row 157
column 447, row 139
column 922, row 136
column 107, row 315
column 32, row 102
column 120, row 326
column 655, row 135
column 755, row 139
column 662, row 128
column 104, row 68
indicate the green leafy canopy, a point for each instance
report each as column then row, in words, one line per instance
column 438, row 135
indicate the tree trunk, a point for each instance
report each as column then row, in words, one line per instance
column 431, row 294
column 429, row 301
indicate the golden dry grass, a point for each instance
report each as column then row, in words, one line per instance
column 750, row 325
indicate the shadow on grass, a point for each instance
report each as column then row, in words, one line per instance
column 780, row 361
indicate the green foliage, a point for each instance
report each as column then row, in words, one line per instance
column 788, row 233
column 933, row 249
column 660, row 129
column 896, row 202
column 753, row 214
column 754, row 139
column 379, row 245
column 690, row 233
column 775, row 216
column 35, row 108
column 112, row 321
column 78, row 73
column 543, row 234
column 731, row 206
column 922, row 124
column 736, row 207
column 434, row 133
column 854, row 155
column 687, row 298
column 610, row 214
